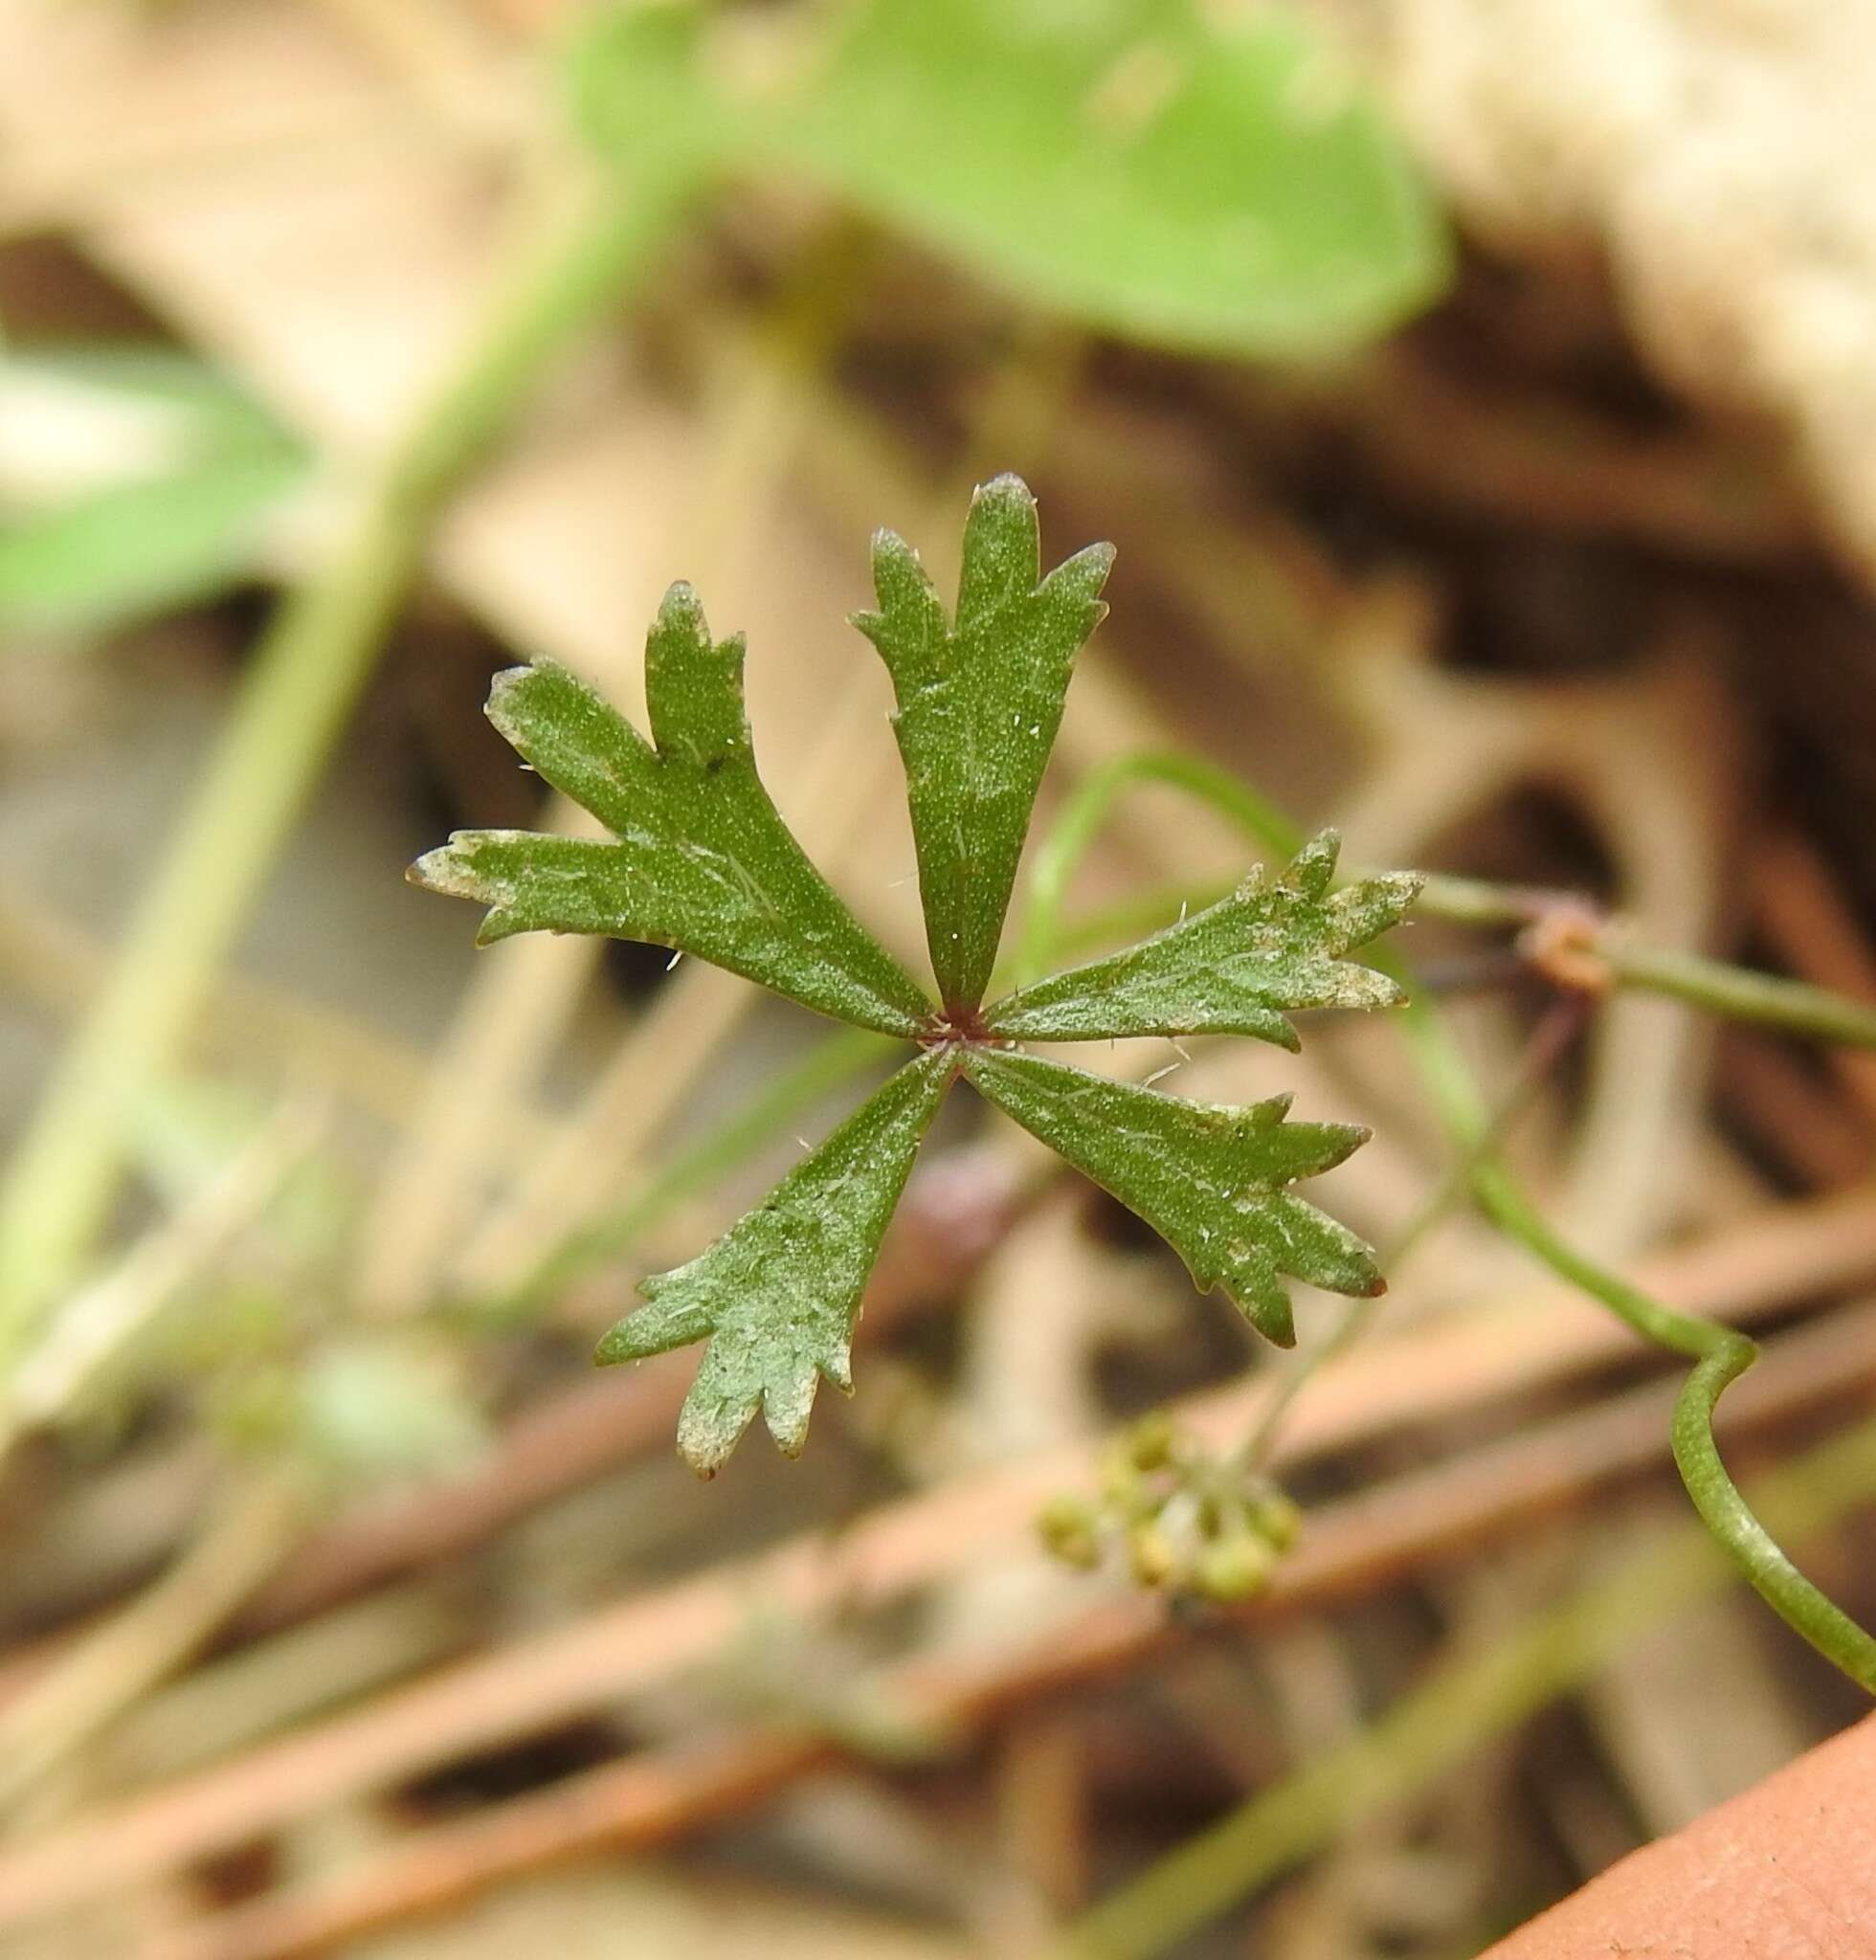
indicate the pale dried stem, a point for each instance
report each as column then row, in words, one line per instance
column 1352, row 1549
column 1799, row 907
column 58, row 966
column 109, row 1668
column 519, row 1007
column 99, row 1323
column 1545, row 1339
column 516, row 1008
column 1043, row 1828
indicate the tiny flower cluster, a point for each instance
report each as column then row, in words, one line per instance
column 1186, row 1520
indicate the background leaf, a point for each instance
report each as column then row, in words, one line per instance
column 137, row 549
column 133, row 480
column 1212, row 1181
column 1159, row 169
column 190, row 402
column 778, row 1295
column 386, row 1406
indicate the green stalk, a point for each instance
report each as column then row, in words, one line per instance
column 1720, row 1355
column 1452, row 1190
column 1793, row 1006
column 1464, row 1702
column 1737, row 992
column 293, row 703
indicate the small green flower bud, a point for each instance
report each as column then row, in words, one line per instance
column 1069, row 1527
column 1150, row 1443
column 1120, row 1478
column 1153, row 1555
column 1276, row 1520
column 1232, row 1569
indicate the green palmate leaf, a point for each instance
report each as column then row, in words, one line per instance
column 1237, row 968
column 778, row 1295
column 1185, row 173
column 1212, row 1181
column 979, row 705
column 701, row 861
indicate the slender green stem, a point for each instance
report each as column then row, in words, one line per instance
column 1737, row 992
column 297, row 692
column 1720, row 1355
column 1481, row 901
column 1542, row 1052
column 1466, row 1702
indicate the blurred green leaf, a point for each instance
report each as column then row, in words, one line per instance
column 371, row 1408
column 135, row 549
column 211, row 411
column 1185, row 174
column 190, row 467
